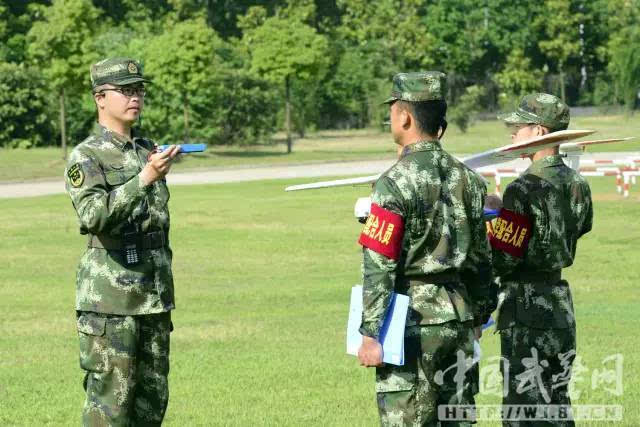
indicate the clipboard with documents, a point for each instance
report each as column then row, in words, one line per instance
column 391, row 333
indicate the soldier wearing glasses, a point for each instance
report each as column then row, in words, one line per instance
column 546, row 210
column 124, row 287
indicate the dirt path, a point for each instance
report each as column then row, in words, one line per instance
column 219, row 176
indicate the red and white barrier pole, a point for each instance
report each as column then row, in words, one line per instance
column 619, row 183
column 626, row 185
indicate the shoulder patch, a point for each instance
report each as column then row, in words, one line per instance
column 383, row 232
column 75, row 175
column 511, row 233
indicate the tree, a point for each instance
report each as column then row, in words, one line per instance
column 204, row 77
column 517, row 79
column 182, row 62
column 463, row 113
column 221, row 15
column 624, row 50
column 132, row 12
column 349, row 91
column 283, row 49
column 560, row 24
column 458, row 29
column 23, row 110
column 3, row 27
column 58, row 44
column 395, row 27
column 625, row 67
column 16, row 17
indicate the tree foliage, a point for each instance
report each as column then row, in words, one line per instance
column 59, row 45
column 560, row 25
column 517, row 79
column 25, row 118
column 624, row 50
column 233, row 72
column 197, row 91
column 464, row 112
column 283, row 49
column 59, row 42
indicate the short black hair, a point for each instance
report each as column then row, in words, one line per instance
column 430, row 115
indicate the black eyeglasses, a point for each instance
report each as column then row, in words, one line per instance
column 128, row 91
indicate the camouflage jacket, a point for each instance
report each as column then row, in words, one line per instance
column 102, row 180
column 555, row 204
column 444, row 259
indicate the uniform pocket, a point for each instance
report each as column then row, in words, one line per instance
column 117, row 177
column 91, row 335
column 114, row 178
column 390, row 379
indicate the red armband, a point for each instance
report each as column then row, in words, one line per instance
column 383, row 232
column 511, row 233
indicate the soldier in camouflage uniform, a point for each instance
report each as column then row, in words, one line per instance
column 545, row 211
column 426, row 238
column 124, row 289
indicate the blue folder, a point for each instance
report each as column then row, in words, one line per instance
column 391, row 333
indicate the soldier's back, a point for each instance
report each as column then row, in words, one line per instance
column 441, row 201
column 559, row 200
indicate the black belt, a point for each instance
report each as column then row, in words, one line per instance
column 153, row 240
column 437, row 278
column 549, row 277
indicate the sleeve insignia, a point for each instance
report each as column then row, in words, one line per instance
column 510, row 233
column 383, row 232
column 75, row 175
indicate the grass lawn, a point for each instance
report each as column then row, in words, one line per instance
column 325, row 146
column 263, row 279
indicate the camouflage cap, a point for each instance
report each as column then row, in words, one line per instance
column 541, row 109
column 421, row 86
column 117, row 71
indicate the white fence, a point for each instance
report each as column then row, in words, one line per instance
column 625, row 170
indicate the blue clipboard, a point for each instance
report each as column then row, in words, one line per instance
column 186, row 148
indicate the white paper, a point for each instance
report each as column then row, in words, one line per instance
column 392, row 332
column 477, row 352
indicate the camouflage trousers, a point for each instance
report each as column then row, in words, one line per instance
column 126, row 364
column 539, row 369
column 409, row 395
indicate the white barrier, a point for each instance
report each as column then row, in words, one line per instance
column 629, row 178
column 626, row 171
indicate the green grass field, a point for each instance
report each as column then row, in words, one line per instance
column 262, row 286
column 325, row 146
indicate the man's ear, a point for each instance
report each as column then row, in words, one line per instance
column 542, row 130
column 537, row 130
column 99, row 98
column 407, row 119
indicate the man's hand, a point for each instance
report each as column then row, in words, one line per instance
column 370, row 353
column 158, row 165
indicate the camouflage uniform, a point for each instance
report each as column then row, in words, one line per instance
column 549, row 205
column 443, row 264
column 123, row 311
